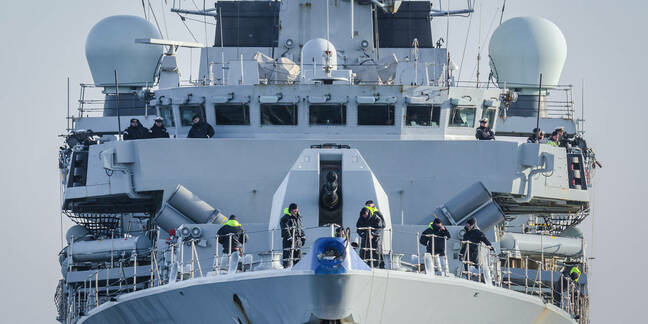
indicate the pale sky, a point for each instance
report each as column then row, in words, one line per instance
column 43, row 43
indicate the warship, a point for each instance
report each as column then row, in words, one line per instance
column 326, row 104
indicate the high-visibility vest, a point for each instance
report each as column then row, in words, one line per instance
column 372, row 209
column 233, row 223
column 552, row 143
column 286, row 211
column 577, row 271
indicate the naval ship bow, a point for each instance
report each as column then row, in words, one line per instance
column 326, row 104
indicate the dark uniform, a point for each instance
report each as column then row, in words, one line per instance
column 201, row 130
column 484, row 133
column 375, row 211
column 159, row 132
column 440, row 238
column 533, row 139
column 136, row 132
column 232, row 228
column 370, row 241
column 474, row 236
column 569, row 274
column 293, row 237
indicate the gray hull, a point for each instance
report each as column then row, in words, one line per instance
column 281, row 296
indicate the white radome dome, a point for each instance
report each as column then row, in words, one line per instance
column 111, row 46
column 314, row 51
column 521, row 48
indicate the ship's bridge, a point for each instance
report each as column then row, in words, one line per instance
column 317, row 111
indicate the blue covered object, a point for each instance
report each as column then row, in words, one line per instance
column 331, row 255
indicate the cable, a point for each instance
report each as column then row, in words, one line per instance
column 464, row 49
column 489, row 31
column 166, row 28
column 155, row 18
column 187, row 27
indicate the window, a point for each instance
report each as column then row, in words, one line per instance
column 233, row 114
column 166, row 112
column 327, row 114
column 422, row 115
column 278, row 114
column 490, row 114
column 188, row 112
column 462, row 117
column 376, row 115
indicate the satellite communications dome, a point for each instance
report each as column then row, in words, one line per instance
column 315, row 51
column 111, row 46
column 521, row 48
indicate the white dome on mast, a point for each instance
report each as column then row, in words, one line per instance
column 315, row 51
column 521, row 48
column 111, row 46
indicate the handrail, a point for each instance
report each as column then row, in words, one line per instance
column 492, row 269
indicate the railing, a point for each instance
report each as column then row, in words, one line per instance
column 488, row 267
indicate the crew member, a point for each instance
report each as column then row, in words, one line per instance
column 536, row 137
column 569, row 274
column 435, row 233
column 369, row 229
column 200, row 129
column 472, row 237
column 483, row 132
column 135, row 130
column 292, row 234
column 374, row 211
column 232, row 232
column 158, row 130
column 562, row 140
column 339, row 231
column 554, row 140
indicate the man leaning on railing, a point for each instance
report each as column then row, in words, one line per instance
column 472, row 237
column 292, row 234
column 232, row 236
column 435, row 237
column 369, row 228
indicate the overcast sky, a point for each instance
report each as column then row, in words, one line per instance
column 43, row 43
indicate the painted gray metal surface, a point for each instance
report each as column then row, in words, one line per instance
column 378, row 296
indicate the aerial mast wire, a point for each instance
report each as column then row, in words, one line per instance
column 119, row 131
column 155, row 18
column 144, row 8
column 539, row 101
column 206, row 75
column 503, row 7
column 68, row 105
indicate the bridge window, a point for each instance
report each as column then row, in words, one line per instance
column 166, row 112
column 380, row 115
column 327, row 114
column 462, row 117
column 490, row 113
column 422, row 115
column 187, row 113
column 233, row 114
column 278, row 114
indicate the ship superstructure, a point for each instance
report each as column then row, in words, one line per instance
column 327, row 104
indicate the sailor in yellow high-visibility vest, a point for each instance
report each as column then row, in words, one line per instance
column 374, row 211
column 292, row 234
column 554, row 140
column 232, row 236
column 574, row 273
